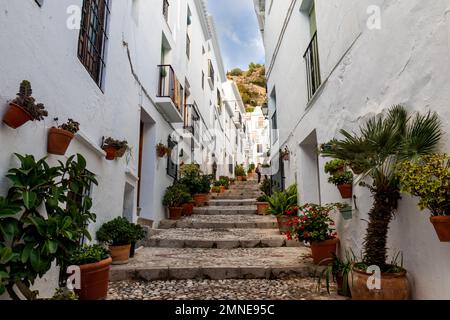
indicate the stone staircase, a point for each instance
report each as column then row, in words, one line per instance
column 224, row 240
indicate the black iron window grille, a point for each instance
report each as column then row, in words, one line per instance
column 311, row 57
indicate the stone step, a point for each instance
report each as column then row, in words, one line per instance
column 225, row 210
column 222, row 222
column 223, row 196
column 216, row 239
column 177, row 264
column 235, row 203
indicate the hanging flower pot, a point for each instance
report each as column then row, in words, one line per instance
column 161, row 150
column 346, row 190
column 442, row 226
column 16, row 116
column 346, row 212
column 112, row 147
column 111, row 153
column 59, row 138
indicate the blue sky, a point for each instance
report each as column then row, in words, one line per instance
column 238, row 31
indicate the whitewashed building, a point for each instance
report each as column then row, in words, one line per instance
column 140, row 71
column 258, row 144
column 334, row 64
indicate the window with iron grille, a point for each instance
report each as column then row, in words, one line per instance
column 166, row 5
column 172, row 168
column 93, row 38
column 312, row 67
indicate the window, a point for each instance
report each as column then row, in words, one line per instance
column 211, row 71
column 259, row 148
column 188, row 46
column 93, row 37
column 166, row 5
column 203, row 80
column 219, row 101
column 311, row 57
column 274, row 128
column 172, row 168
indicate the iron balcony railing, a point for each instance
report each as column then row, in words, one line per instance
column 169, row 87
column 166, row 5
column 311, row 57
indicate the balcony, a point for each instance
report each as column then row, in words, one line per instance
column 237, row 118
column 169, row 99
column 311, row 57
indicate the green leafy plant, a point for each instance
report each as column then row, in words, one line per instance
column 334, row 166
column 384, row 142
column 224, row 182
column 215, row 189
column 204, row 183
column 314, row 224
column 88, row 254
column 266, row 186
column 190, row 176
column 64, row 294
column 70, row 126
column 263, row 198
column 175, row 196
column 27, row 102
column 117, row 232
column 429, row 179
column 337, row 270
column 280, row 202
column 239, row 171
column 341, row 178
column 116, row 144
column 42, row 219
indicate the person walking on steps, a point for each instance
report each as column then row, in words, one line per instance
column 258, row 172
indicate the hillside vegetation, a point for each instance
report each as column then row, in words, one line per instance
column 251, row 84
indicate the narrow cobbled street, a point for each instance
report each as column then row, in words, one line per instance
column 224, row 251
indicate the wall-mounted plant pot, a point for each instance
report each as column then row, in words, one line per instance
column 262, row 207
column 111, row 153
column 346, row 190
column 175, row 213
column 160, row 153
column 346, row 213
column 121, row 152
column 58, row 141
column 120, row 254
column 394, row 286
column 323, row 250
column 16, row 116
column 94, row 280
column 442, row 226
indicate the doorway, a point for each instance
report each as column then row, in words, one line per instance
column 309, row 175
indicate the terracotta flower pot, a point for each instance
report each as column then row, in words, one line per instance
column 239, row 178
column 58, row 141
column 262, row 207
column 94, row 280
column 111, row 153
column 16, row 116
column 199, row 199
column 188, row 209
column 120, row 254
column 394, row 286
column 161, row 153
column 222, row 189
column 323, row 250
column 121, row 152
column 346, row 190
column 442, row 226
column 283, row 223
column 175, row 213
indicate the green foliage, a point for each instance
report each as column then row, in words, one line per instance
column 334, row 166
column 63, row 294
column 239, row 171
column 335, row 268
column 249, row 109
column 341, row 178
column 116, row 144
column 40, row 220
column 175, row 196
column 26, row 101
column 190, row 176
column 263, row 198
column 89, row 254
column 236, row 72
column 266, row 186
column 205, row 181
column 314, row 223
column 224, row 182
column 282, row 201
column 429, row 179
column 116, row 232
column 260, row 82
column 384, row 142
column 71, row 126
column 251, row 167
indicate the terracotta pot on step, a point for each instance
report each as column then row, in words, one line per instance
column 262, row 207
column 120, row 254
column 442, row 226
column 111, row 153
column 283, row 223
column 239, row 178
column 16, row 116
column 346, row 190
column 323, row 250
column 199, row 199
column 58, row 141
column 175, row 213
column 188, row 209
column 94, row 280
column 394, row 286
column 222, row 189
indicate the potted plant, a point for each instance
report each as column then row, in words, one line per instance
column 337, row 271
column 225, row 182
column 239, row 172
column 190, row 177
column 24, row 108
column 346, row 211
column 137, row 233
column 283, row 205
column 113, row 148
column 215, row 189
column 161, row 150
column 315, row 226
column 218, row 186
column 94, row 262
column 384, row 142
column 429, row 179
column 340, row 177
column 173, row 199
column 60, row 137
column 285, row 154
column 118, row 234
column 262, row 204
column 188, row 202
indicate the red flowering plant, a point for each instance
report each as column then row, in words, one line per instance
column 313, row 224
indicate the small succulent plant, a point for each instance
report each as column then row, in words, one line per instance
column 27, row 102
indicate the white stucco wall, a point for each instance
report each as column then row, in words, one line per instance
column 364, row 72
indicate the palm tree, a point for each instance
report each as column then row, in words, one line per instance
column 384, row 142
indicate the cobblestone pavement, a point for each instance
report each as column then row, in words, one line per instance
column 258, row 289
